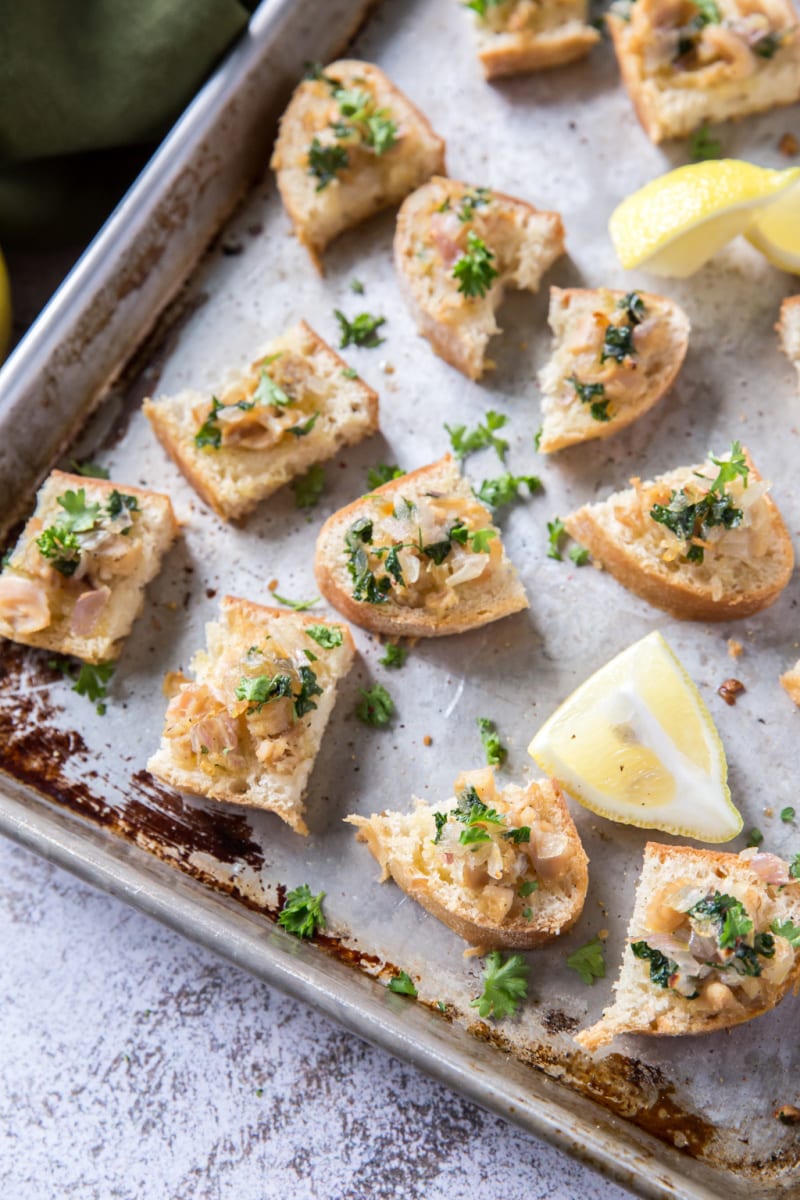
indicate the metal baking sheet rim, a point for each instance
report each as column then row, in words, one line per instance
column 308, row 975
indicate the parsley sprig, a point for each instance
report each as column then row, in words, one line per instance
column 91, row 681
column 496, row 753
column 302, row 912
column 466, row 442
column 474, row 270
column 505, row 488
column 505, row 986
column 361, row 331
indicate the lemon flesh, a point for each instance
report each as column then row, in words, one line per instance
column 677, row 222
column 776, row 231
column 635, row 743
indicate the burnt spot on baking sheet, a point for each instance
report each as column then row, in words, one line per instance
column 555, row 1021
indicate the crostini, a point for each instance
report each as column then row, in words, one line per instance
column 706, row 542
column 248, row 727
column 789, row 329
column 350, row 144
column 685, row 62
column 615, row 354
column 501, row 867
column 525, row 35
column 456, row 249
column 418, row 557
column 714, row 940
column 298, row 404
column 74, row 583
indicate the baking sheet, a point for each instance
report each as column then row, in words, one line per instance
column 566, row 141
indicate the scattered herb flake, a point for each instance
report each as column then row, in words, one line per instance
column 579, row 555
column 525, row 889
column 89, row 469
column 361, row 331
column 394, row 657
column 327, row 636
column 556, row 530
column 466, row 442
column 325, row 162
column 309, row 487
column 383, row 473
column 297, row 605
column 787, row 814
column 376, row 706
column 505, row 488
column 403, row 984
column 496, row 753
column 755, row 837
column 588, row 961
column 703, row 146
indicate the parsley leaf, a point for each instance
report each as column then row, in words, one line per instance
column 118, row 503
column 59, row 541
column 703, row 146
column 325, row 162
column 662, row 968
column 308, row 687
column 464, row 443
column 297, row 605
column 309, row 487
column 302, row 912
column 586, row 394
column 482, row 6
column 383, row 473
column 537, row 439
column 361, row 331
column 556, row 530
column 588, row 961
column 258, row 690
column 357, row 287
column 327, row 636
column 380, row 132
column 755, row 837
column 505, row 488
column 403, row 984
column 618, row 343
column 496, row 753
column 727, row 913
column 478, row 198
column 579, row 555
column 394, row 657
column 91, row 681
column 634, row 307
column 505, row 986
column 709, row 11
column 474, row 270
column 787, row 929
column 787, row 814
column 209, row 433
column 89, row 469
column 690, row 520
column 376, row 708
column 440, row 819
column 268, row 393
column 304, row 427
column 794, row 867
column 530, row 885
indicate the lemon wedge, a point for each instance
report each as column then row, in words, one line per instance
column 5, row 309
column 635, row 743
column 776, row 231
column 678, row 221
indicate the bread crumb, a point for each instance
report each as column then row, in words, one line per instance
column 272, row 585
column 788, row 145
column 769, row 812
column 603, row 934
column 427, row 740
column 730, row 689
column 387, row 368
column 735, row 648
column 475, row 951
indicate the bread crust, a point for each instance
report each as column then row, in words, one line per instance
column 679, row 1019
column 297, row 124
column 788, row 329
column 460, row 334
column 516, row 53
column 790, row 681
column 520, row 934
column 684, row 599
column 665, row 309
column 392, row 619
column 283, row 465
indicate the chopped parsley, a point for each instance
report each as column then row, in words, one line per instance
column 587, row 392
column 297, row 605
column 708, row 11
column 360, row 120
column 474, row 814
column 383, row 473
column 361, row 331
column 505, row 488
column 260, row 689
column 787, row 814
column 556, row 530
column 537, row 438
column 304, row 427
column 634, row 307
column 376, row 706
column 60, row 543
column 794, row 867
column 527, row 888
column 521, row 834
column 350, row 373
column 91, row 681
column 703, row 146
column 787, row 929
column 357, row 287
column 474, row 270
column 768, row 45
column 269, row 393
column 440, row 819
column 618, row 343
column 496, row 753
column 89, row 469
column 579, row 555
column 367, row 587
column 689, row 519
column 309, row 487
column 755, row 837
column 478, row 198
column 325, row 162
column 309, row 687
column 302, row 912
column 728, row 915
column 327, row 636
column 403, row 984
column 394, row 657
column 209, row 433
column 478, row 538
column 118, row 503
column 482, row 6
column 588, row 961
column 505, row 986
column 662, row 969
column 466, row 442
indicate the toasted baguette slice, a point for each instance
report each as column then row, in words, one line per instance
column 791, row 682
column 517, row 35
column 588, row 393
column 743, row 569
column 262, row 447
column 433, row 230
column 789, row 329
column 75, row 580
column 720, row 76
column 232, row 738
column 685, row 876
column 434, row 584
column 322, row 205
column 500, row 892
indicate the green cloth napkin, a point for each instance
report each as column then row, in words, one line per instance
column 79, row 77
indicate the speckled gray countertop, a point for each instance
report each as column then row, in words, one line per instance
column 136, row 1065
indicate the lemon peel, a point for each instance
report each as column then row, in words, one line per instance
column 776, row 231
